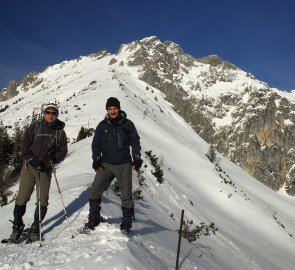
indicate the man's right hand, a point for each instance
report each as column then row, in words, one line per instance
column 36, row 163
column 97, row 164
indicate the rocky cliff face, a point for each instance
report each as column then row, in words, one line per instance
column 242, row 117
column 9, row 91
column 29, row 81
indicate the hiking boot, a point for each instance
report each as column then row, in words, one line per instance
column 34, row 232
column 17, row 230
column 18, row 213
column 128, row 214
column 94, row 217
column 91, row 224
column 126, row 226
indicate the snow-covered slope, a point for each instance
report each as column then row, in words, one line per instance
column 256, row 226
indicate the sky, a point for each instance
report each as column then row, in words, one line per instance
column 257, row 36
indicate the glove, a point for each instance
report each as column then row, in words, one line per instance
column 36, row 163
column 137, row 162
column 97, row 163
column 49, row 160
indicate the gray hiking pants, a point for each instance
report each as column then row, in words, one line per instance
column 103, row 179
column 28, row 179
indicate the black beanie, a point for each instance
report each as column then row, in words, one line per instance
column 113, row 102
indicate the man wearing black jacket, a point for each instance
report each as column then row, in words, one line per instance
column 44, row 143
column 111, row 158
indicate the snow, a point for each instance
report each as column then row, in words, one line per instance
column 288, row 122
column 248, row 237
column 226, row 120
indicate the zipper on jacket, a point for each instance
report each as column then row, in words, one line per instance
column 117, row 145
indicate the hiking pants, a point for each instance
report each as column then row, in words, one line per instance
column 103, row 179
column 28, row 179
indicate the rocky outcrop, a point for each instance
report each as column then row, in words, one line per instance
column 9, row 91
column 250, row 123
column 98, row 55
column 261, row 138
column 29, row 81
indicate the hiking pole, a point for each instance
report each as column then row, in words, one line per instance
column 59, row 191
column 179, row 239
column 39, row 206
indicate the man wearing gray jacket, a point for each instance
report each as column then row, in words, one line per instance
column 44, row 143
column 112, row 158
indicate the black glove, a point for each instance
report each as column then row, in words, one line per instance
column 49, row 160
column 97, row 163
column 137, row 162
column 36, row 163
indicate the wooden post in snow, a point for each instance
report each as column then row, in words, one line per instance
column 179, row 239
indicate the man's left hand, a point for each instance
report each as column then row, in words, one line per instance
column 137, row 163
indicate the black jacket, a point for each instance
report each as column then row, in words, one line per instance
column 112, row 141
column 45, row 142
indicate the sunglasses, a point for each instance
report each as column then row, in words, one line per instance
column 49, row 112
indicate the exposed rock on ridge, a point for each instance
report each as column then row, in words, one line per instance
column 29, row 81
column 247, row 121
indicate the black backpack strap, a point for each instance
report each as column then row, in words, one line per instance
column 36, row 129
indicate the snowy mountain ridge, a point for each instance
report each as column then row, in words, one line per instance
column 256, row 226
column 246, row 120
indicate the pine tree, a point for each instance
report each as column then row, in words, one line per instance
column 17, row 141
column 6, row 145
column 158, row 172
column 6, row 148
column 16, row 160
column 10, row 160
column 84, row 133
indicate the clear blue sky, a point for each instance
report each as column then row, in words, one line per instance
column 256, row 35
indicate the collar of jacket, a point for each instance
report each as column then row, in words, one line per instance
column 122, row 118
column 55, row 125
